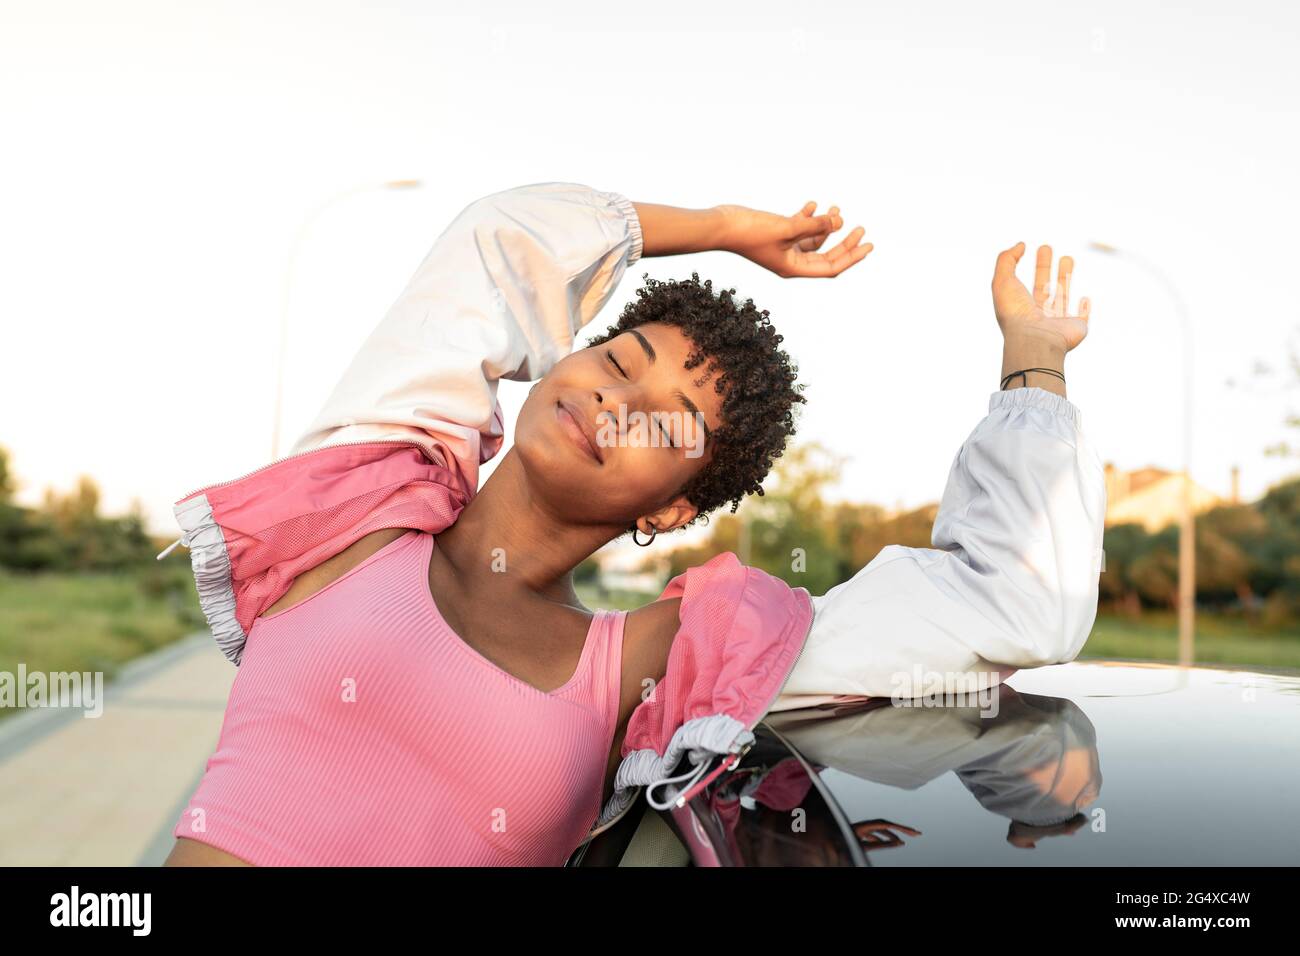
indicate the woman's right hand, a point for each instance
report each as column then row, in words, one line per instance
column 788, row 245
column 1039, row 315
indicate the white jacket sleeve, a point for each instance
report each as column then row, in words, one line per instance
column 1011, row 581
column 501, row 294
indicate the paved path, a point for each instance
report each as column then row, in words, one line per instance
column 107, row 790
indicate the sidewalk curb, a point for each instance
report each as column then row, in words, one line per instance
column 161, row 845
column 22, row 730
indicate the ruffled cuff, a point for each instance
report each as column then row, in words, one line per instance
column 624, row 206
column 1037, row 398
column 210, row 561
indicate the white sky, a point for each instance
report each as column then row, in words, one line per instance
column 159, row 159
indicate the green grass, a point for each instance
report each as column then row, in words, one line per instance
column 1219, row 640
column 92, row 622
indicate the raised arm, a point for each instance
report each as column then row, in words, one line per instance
column 504, row 290
column 787, row 245
column 1011, row 581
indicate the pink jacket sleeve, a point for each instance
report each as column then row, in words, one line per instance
column 501, row 294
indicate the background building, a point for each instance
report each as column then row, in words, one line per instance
column 1152, row 497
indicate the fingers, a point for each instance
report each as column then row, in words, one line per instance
column 806, row 227
column 1053, row 301
column 1042, row 274
column 815, row 242
column 848, row 252
column 1061, row 299
column 1085, row 308
column 1007, row 261
column 845, row 255
column 807, row 233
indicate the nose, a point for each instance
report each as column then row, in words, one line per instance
column 610, row 397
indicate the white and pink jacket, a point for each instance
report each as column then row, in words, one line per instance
column 1011, row 581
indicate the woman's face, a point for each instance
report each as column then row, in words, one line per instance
column 646, row 419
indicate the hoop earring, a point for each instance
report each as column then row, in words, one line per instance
column 653, row 531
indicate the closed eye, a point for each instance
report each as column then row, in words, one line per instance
column 610, row 355
column 668, row 441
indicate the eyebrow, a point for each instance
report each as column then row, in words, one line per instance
column 645, row 346
column 678, row 394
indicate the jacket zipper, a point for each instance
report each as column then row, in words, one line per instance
column 310, row 451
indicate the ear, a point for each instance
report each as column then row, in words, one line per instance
column 668, row 518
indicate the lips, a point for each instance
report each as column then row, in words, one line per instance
column 579, row 430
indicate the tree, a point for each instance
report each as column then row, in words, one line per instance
column 1123, row 545
column 8, row 484
column 1154, row 575
column 797, row 535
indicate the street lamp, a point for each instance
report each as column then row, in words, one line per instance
column 294, row 250
column 1187, row 523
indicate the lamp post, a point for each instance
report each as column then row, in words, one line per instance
column 303, row 231
column 1187, row 522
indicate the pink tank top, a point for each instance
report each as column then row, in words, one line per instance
column 362, row 731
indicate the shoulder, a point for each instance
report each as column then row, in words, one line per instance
column 652, row 625
column 648, row 634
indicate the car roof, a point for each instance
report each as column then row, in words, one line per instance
column 1115, row 763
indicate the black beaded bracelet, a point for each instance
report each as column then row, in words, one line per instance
column 1024, row 380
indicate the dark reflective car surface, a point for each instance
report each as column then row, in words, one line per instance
column 771, row 810
column 1201, row 768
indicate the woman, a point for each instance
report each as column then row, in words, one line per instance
column 483, row 628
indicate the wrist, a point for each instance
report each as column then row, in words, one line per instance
column 1034, row 335
column 674, row 231
column 1030, row 348
column 1044, row 378
column 1026, row 349
column 724, row 230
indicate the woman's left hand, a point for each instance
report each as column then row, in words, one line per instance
column 1044, row 312
column 788, row 245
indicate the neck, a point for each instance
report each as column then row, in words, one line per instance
column 506, row 543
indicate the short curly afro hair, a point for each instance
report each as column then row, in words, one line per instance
column 752, row 372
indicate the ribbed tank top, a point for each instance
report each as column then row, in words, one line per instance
column 362, row 731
